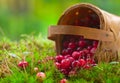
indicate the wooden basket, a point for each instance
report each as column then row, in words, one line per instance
column 108, row 32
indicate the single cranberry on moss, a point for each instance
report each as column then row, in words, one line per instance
column 40, row 76
column 36, row 69
column 63, row 80
column 23, row 64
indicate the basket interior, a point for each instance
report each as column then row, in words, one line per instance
column 81, row 16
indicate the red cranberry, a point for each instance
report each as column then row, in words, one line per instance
column 64, row 71
column 82, row 43
column 86, row 51
column 76, row 64
column 93, row 50
column 87, row 67
column 69, row 50
column 76, row 55
column 63, row 81
column 72, row 39
column 65, row 44
column 82, row 54
column 64, row 52
column 72, row 45
column 82, row 62
column 95, row 44
column 67, row 56
column 59, row 58
column 57, row 65
column 89, row 47
column 90, row 55
column 65, row 63
column 71, row 59
column 41, row 76
column 79, row 49
column 90, row 61
column 23, row 64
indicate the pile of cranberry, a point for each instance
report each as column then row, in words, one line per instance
column 77, row 54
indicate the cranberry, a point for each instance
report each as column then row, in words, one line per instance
column 90, row 61
column 69, row 50
column 63, row 81
column 95, row 44
column 71, row 59
column 59, row 58
column 72, row 39
column 67, row 56
column 65, row 44
column 64, row 71
column 64, row 52
column 76, row 64
column 23, row 64
column 76, row 55
column 65, row 63
column 36, row 69
column 86, row 51
column 89, row 47
column 57, row 65
column 41, row 76
column 72, row 45
column 82, row 62
column 87, row 67
column 93, row 50
column 72, row 73
column 79, row 49
column 90, row 55
column 82, row 54
column 82, row 43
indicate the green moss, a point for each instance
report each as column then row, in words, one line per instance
column 35, row 49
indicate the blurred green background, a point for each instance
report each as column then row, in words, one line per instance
column 34, row 16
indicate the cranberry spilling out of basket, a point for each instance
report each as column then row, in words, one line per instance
column 77, row 53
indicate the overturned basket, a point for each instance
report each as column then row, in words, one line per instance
column 105, row 28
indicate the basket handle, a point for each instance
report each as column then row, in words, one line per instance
column 87, row 32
